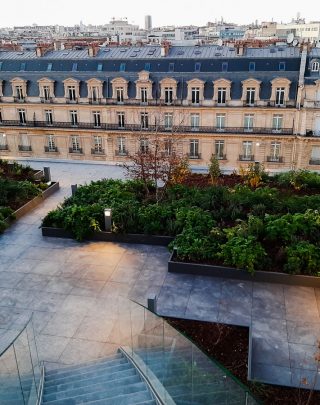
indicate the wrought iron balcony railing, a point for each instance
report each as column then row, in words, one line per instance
column 4, row 147
column 151, row 128
column 50, row 149
column 121, row 152
column 76, row 151
column 246, row 158
column 25, row 148
column 97, row 151
column 314, row 162
column 275, row 159
column 194, row 155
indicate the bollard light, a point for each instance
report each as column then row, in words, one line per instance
column 107, row 219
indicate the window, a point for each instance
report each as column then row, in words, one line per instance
column 48, row 117
column 194, row 148
column 195, row 122
column 19, row 93
column 197, row 67
column 121, row 142
column 74, row 67
column 75, row 144
column 252, row 66
column 72, row 93
column 120, row 94
column 46, row 93
column 171, row 67
column 219, row 150
column 250, row 96
column 74, row 118
column 282, row 66
column 144, row 94
column 315, row 66
column 280, row 93
column 49, row 67
column 168, row 95
column 168, row 147
column 99, row 67
column 1, row 115
column 277, row 123
column 315, row 155
column 224, row 66
column 275, row 151
column 25, row 145
column 97, row 144
column 246, row 151
column 195, row 95
column 22, row 116
column 3, row 142
column 248, row 122
column 51, row 143
column 147, row 67
column 96, row 118
column 222, row 95
column 94, row 93
column 22, row 67
column 122, row 67
column 121, row 122
column 144, row 145
column 168, row 121
column 220, row 121
column 144, row 117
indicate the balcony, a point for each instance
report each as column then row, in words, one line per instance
column 97, row 152
column 25, row 148
column 50, row 149
column 77, row 151
column 194, row 156
column 275, row 159
column 4, row 147
column 246, row 158
column 221, row 157
column 19, row 99
column 46, row 100
column 71, row 100
column 121, row 152
column 151, row 128
column 314, row 162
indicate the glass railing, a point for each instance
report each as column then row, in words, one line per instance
column 177, row 370
column 21, row 375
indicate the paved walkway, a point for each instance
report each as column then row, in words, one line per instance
column 73, row 291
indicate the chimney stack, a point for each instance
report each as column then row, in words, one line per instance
column 165, row 49
column 93, row 50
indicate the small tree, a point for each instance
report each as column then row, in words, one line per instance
column 214, row 169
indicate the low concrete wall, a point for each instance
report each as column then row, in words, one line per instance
column 112, row 237
column 238, row 274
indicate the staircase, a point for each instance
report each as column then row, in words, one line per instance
column 109, row 381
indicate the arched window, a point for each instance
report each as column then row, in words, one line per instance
column 315, row 66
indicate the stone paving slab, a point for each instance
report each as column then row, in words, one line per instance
column 73, row 290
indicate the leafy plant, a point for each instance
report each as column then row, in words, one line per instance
column 303, row 258
column 214, row 169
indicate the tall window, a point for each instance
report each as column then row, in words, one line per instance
column 168, row 147
column 194, row 148
column 168, row 95
column 3, row 142
column 315, row 66
column 277, row 122
column 96, row 118
column 97, row 144
column 51, row 143
column 195, row 95
column 25, row 144
column 49, row 117
column 120, row 94
column 22, row 116
column 248, row 122
column 72, row 93
column 121, row 121
column 220, row 122
column 275, row 151
column 247, row 150
column 250, row 95
column 19, row 93
column 280, row 92
column 144, row 145
column 121, row 142
column 144, row 117
column 94, row 94
column 195, row 122
column 74, row 117
column 144, row 94
column 46, row 93
column 222, row 95
column 1, row 115
column 219, row 149
column 75, row 144
column 168, row 121
column 315, row 156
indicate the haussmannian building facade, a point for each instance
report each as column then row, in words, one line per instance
column 242, row 105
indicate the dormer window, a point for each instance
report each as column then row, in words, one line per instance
column 95, row 87
column 195, row 95
column 120, row 94
column 46, row 93
column 19, row 89
column 280, row 96
column 144, row 95
column 315, row 67
column 222, row 95
column 168, row 95
column 71, row 90
column 72, row 93
column 19, row 93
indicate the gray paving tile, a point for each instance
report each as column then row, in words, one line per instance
column 270, row 327
column 64, row 324
column 303, row 356
column 305, row 379
column 270, row 351
column 273, row 374
column 303, row 332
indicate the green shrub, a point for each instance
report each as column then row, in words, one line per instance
column 299, row 179
column 303, row 258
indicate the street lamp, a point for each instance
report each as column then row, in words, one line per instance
column 107, row 219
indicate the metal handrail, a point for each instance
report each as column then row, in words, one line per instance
column 16, row 337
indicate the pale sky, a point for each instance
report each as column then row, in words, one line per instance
column 164, row 12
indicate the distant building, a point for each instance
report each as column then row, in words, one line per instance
column 148, row 22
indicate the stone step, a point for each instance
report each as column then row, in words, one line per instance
column 124, row 400
column 133, row 393
column 88, row 381
column 71, row 377
column 91, row 387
